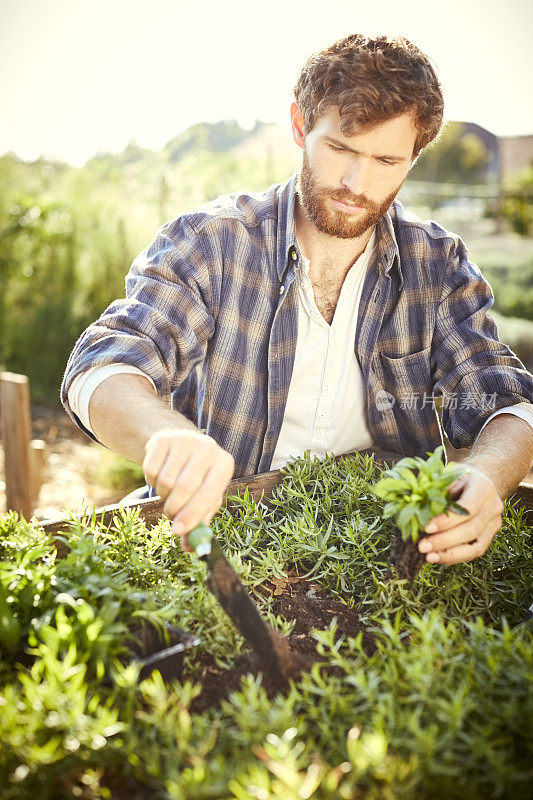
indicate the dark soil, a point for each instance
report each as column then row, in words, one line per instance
column 406, row 558
column 294, row 599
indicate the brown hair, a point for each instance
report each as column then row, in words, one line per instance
column 371, row 80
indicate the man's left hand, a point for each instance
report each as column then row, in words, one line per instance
column 456, row 538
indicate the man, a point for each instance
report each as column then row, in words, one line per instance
column 317, row 315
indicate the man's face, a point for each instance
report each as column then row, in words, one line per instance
column 348, row 182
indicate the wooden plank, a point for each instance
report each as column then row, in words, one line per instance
column 37, row 461
column 16, row 434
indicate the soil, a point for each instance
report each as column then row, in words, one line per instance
column 294, row 599
column 406, row 558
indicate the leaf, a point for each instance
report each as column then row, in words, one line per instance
column 405, row 515
column 391, row 486
column 458, row 509
column 409, row 477
column 408, row 461
column 414, row 529
column 437, row 507
column 424, row 514
column 391, row 508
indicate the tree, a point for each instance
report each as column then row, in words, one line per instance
column 455, row 158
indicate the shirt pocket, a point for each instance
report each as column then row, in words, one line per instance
column 408, row 374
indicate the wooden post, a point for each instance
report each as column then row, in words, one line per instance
column 37, row 461
column 16, row 433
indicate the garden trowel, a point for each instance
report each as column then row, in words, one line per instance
column 270, row 646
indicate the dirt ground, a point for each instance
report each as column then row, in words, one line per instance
column 70, row 476
column 294, row 599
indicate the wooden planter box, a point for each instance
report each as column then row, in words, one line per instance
column 259, row 486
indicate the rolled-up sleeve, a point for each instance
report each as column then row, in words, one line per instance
column 475, row 372
column 164, row 323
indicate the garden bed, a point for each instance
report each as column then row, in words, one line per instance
column 410, row 691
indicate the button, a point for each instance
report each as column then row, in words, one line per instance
column 281, row 289
column 322, row 414
column 294, row 256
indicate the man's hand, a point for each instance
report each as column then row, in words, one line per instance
column 455, row 538
column 190, row 472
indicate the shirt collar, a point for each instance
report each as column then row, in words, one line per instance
column 387, row 252
column 286, row 229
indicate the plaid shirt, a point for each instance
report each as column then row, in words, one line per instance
column 211, row 315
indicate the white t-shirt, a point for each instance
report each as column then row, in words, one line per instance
column 326, row 404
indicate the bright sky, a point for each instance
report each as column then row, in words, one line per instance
column 81, row 76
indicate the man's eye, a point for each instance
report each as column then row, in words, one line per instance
column 387, row 161
column 337, row 149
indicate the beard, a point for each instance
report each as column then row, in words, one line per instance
column 330, row 220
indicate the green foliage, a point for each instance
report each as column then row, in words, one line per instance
column 517, row 206
column 117, row 473
column 37, row 264
column 440, row 708
column 511, row 280
column 453, row 158
column 69, row 235
column 413, row 499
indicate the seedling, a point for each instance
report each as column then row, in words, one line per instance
column 414, row 499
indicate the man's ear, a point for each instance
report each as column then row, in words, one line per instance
column 297, row 124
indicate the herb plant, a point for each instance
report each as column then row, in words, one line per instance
column 440, row 707
column 413, row 498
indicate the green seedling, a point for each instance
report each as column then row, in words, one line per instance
column 415, row 498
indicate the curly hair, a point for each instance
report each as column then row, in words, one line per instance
column 372, row 80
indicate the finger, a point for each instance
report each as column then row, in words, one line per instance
column 472, row 497
column 455, row 488
column 460, row 534
column 184, row 537
column 155, row 456
column 480, row 528
column 184, row 543
column 186, row 480
column 209, row 495
column 211, row 513
column 465, row 552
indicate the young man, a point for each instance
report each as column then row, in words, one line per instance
column 316, row 315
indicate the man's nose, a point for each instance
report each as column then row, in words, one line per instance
column 357, row 176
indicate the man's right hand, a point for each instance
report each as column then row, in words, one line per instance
column 190, row 472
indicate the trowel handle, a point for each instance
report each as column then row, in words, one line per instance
column 200, row 539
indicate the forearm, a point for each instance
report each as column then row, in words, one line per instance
column 125, row 412
column 504, row 452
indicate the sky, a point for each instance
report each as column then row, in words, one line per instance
column 79, row 77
